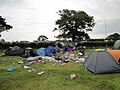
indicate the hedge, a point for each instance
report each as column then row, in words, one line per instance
column 52, row 43
column 96, row 44
column 24, row 45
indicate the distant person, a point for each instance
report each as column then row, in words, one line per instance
column 70, row 50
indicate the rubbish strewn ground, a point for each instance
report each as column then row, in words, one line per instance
column 53, row 76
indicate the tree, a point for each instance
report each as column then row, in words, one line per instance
column 113, row 37
column 74, row 24
column 3, row 25
column 42, row 38
column 2, row 40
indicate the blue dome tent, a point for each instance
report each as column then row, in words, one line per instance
column 44, row 52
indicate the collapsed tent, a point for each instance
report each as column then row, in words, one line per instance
column 52, row 49
column 101, row 62
column 44, row 52
column 14, row 51
column 66, row 48
column 116, row 45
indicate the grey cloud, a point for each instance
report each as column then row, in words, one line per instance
column 112, row 26
column 108, row 8
column 9, row 2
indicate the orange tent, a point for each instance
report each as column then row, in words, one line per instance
column 115, row 53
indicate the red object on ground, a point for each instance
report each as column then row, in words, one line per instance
column 70, row 50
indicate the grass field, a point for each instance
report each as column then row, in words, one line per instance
column 55, row 77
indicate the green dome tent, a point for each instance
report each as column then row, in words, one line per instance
column 18, row 51
column 14, row 51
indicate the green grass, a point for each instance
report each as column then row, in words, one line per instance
column 55, row 77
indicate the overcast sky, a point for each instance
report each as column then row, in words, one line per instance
column 31, row 18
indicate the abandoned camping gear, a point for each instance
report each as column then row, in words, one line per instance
column 18, row 51
column 101, row 62
column 29, row 52
column 116, row 45
column 14, row 51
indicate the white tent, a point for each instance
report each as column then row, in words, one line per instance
column 117, row 45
